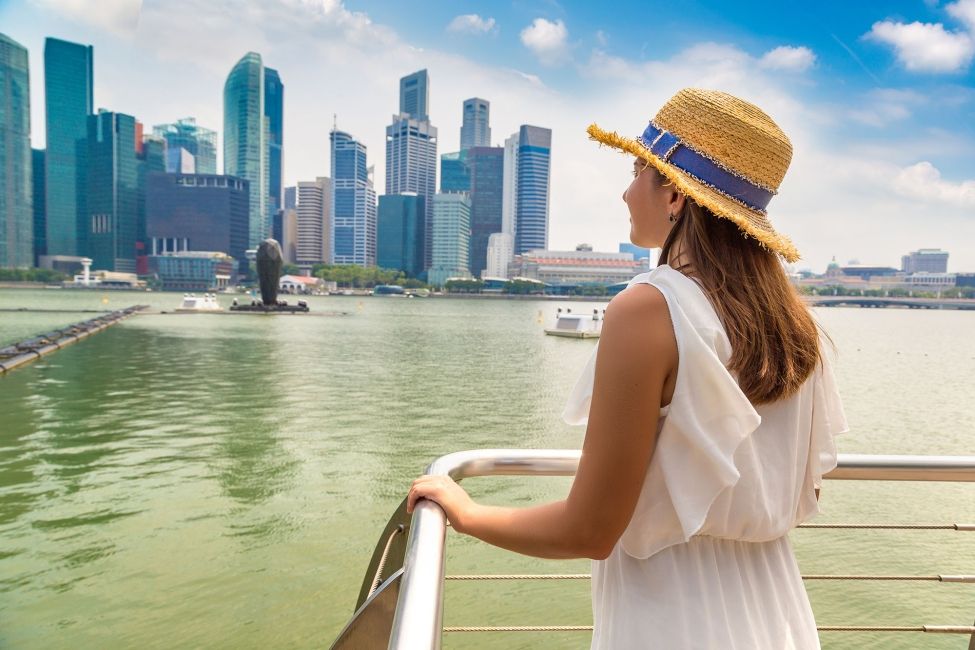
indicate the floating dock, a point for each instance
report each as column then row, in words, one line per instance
column 19, row 354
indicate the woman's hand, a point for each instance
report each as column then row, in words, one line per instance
column 455, row 502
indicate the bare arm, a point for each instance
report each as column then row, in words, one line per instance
column 637, row 353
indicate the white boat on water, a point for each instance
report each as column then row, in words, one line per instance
column 577, row 326
column 193, row 303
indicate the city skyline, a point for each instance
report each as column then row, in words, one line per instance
column 891, row 156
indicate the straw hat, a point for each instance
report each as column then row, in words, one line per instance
column 721, row 151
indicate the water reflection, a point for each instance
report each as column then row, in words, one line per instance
column 221, row 480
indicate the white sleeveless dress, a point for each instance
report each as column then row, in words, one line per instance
column 705, row 562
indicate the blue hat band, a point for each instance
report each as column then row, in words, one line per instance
column 668, row 147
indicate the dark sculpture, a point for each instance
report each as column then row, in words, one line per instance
column 269, row 261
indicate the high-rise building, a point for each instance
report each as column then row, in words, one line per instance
column 190, row 148
column 197, row 212
column 113, row 191
column 151, row 158
column 68, row 101
column 454, row 174
column 925, row 260
column 245, row 135
column 411, row 149
column 314, row 227
column 451, row 238
column 291, row 197
column 289, row 235
column 532, row 195
column 40, row 211
column 16, row 198
column 500, row 252
column 486, row 166
column 353, row 203
column 476, row 128
column 399, row 233
column 274, row 111
column 414, row 95
column 509, row 199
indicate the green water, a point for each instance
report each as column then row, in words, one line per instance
column 184, row 481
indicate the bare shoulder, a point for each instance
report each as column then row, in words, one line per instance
column 641, row 304
column 639, row 318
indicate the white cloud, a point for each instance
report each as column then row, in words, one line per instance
column 788, row 58
column 117, row 16
column 923, row 181
column 881, row 107
column 548, row 40
column 963, row 11
column 926, row 47
column 471, row 24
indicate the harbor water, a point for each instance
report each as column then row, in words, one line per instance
column 217, row 480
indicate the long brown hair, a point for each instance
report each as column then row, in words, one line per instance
column 774, row 340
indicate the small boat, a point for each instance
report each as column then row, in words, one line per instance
column 193, row 303
column 388, row 290
column 577, row 326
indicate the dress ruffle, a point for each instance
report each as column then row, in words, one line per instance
column 693, row 461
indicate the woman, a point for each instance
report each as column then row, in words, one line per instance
column 710, row 406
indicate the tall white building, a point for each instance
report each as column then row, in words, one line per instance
column 476, row 129
column 500, row 252
column 313, row 225
column 451, row 238
column 509, row 206
column 411, row 149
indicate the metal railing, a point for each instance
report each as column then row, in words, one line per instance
column 411, row 570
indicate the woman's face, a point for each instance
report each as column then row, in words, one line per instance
column 650, row 205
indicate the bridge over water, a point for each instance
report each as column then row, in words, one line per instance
column 878, row 302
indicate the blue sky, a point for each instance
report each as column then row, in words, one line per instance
column 878, row 98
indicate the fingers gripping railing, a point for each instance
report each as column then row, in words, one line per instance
column 418, row 621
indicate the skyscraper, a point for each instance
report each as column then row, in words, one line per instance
column 150, row 158
column 274, row 111
column 314, row 224
column 353, row 203
column 454, row 174
column 532, row 196
column 40, row 211
column 68, row 101
column 414, row 95
column 399, row 233
column 411, row 148
column 16, row 166
column 500, row 251
column 451, row 238
column 486, row 166
column 113, row 193
column 186, row 142
column 476, row 128
column 509, row 200
column 245, row 133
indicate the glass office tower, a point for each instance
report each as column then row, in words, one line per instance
column 68, row 101
column 185, row 137
column 353, row 203
column 245, row 133
column 113, row 191
column 274, row 112
column 16, row 165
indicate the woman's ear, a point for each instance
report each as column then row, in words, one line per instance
column 676, row 202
